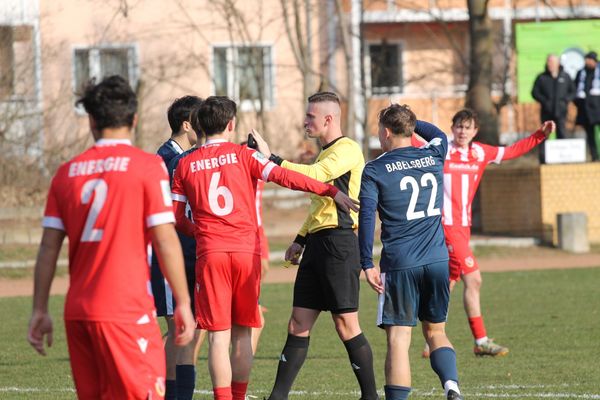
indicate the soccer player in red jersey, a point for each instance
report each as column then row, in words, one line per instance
column 218, row 180
column 465, row 163
column 109, row 201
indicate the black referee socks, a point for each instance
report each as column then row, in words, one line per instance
column 361, row 360
column 292, row 357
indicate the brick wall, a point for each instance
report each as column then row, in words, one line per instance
column 525, row 201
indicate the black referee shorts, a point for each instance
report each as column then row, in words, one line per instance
column 328, row 276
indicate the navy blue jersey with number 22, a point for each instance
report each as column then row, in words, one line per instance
column 404, row 185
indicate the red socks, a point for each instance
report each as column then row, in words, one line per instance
column 477, row 327
column 222, row 393
column 238, row 389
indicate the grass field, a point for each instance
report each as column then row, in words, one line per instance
column 549, row 319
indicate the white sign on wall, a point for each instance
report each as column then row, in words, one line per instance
column 562, row 151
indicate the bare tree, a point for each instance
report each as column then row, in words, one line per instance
column 479, row 92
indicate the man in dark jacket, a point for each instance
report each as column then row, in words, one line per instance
column 587, row 99
column 554, row 89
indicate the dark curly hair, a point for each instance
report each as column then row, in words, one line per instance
column 111, row 103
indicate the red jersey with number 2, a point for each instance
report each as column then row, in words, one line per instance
column 219, row 181
column 105, row 200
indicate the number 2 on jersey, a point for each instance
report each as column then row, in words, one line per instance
column 99, row 188
column 215, row 192
column 412, row 204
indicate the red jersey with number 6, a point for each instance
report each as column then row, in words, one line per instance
column 105, row 200
column 219, row 181
column 463, row 170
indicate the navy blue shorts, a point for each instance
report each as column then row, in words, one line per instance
column 163, row 296
column 421, row 292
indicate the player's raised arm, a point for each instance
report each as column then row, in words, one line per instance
column 428, row 131
column 40, row 324
column 524, row 145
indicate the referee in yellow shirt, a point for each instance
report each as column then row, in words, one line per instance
column 328, row 276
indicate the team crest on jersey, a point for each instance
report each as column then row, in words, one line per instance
column 450, row 248
column 469, row 262
column 159, row 386
column 260, row 158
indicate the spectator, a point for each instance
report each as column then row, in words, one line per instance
column 554, row 89
column 587, row 100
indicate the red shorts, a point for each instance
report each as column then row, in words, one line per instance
column 112, row 360
column 227, row 290
column 264, row 244
column 462, row 261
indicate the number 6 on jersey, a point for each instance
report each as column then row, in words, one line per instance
column 215, row 192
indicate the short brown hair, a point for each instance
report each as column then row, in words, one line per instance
column 321, row 97
column 399, row 119
column 466, row 114
column 212, row 115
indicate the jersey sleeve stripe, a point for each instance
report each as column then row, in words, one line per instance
column 179, row 197
column 160, row 219
column 267, row 171
column 53, row 222
column 500, row 155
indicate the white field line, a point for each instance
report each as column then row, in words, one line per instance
column 488, row 392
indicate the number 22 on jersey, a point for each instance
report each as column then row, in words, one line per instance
column 426, row 178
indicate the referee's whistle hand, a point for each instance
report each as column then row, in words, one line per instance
column 346, row 203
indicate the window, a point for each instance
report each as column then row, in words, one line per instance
column 6, row 61
column 244, row 73
column 100, row 62
column 386, row 68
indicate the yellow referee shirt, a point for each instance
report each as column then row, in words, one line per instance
column 340, row 163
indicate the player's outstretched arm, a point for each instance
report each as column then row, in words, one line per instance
column 297, row 181
column 548, row 127
column 525, row 145
column 40, row 324
column 168, row 249
column 345, row 203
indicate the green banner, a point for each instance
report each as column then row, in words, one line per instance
column 568, row 39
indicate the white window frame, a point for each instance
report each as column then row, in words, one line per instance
column 233, row 88
column 94, row 63
column 394, row 90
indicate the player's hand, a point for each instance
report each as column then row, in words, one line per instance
column 345, row 202
column 185, row 325
column 263, row 147
column 548, row 127
column 374, row 279
column 40, row 325
column 293, row 253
